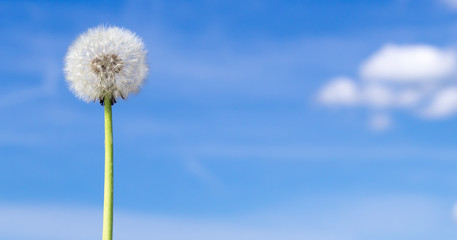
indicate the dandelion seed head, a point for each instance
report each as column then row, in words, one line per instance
column 106, row 62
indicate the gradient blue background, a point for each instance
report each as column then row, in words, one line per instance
column 225, row 140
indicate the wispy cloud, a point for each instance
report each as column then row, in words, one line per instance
column 197, row 169
column 351, row 217
column 45, row 68
column 380, row 122
column 450, row 3
column 305, row 152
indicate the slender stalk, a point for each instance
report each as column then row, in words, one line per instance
column 108, row 202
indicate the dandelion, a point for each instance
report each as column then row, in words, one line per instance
column 105, row 64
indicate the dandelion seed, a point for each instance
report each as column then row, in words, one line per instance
column 106, row 62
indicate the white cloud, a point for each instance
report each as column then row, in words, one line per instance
column 339, row 91
column 408, row 63
column 415, row 78
column 443, row 104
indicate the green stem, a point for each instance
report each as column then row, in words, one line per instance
column 108, row 202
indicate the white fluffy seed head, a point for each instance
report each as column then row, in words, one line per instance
column 106, row 62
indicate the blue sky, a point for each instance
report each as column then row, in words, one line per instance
column 259, row 120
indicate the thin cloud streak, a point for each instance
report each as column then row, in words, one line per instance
column 48, row 87
column 352, row 217
column 317, row 153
